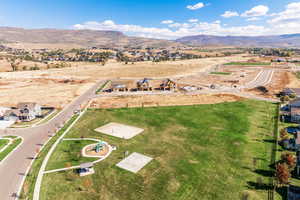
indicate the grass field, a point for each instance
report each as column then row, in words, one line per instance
column 204, row 151
column 220, row 73
column 3, row 142
column 69, row 152
column 248, row 63
column 10, row 148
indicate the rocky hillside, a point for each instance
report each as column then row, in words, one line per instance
column 80, row 38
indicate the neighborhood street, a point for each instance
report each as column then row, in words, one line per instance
column 13, row 170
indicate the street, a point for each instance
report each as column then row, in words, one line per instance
column 13, row 170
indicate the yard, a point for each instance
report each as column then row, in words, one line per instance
column 15, row 143
column 203, row 151
column 3, row 142
column 220, row 73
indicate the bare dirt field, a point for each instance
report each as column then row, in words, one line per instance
column 57, row 87
column 161, row 100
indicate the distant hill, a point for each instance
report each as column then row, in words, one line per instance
column 42, row 38
column 291, row 40
column 56, row 38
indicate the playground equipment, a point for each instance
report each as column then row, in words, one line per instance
column 99, row 147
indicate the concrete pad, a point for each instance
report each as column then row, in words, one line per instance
column 4, row 124
column 134, row 162
column 119, row 130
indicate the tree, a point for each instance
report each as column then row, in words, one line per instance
column 289, row 159
column 282, row 174
column 14, row 63
column 87, row 183
column 284, row 134
column 284, row 99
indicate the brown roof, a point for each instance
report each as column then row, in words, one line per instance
column 29, row 105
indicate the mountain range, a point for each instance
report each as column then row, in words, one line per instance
column 283, row 41
column 89, row 38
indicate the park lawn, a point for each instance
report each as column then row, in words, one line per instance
column 248, row 63
column 3, row 142
column 68, row 153
column 203, row 151
column 10, row 148
column 220, row 73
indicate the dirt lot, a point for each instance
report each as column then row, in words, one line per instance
column 161, row 100
column 280, row 80
column 53, row 87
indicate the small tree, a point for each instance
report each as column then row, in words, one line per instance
column 290, row 160
column 282, row 174
column 284, row 134
column 87, row 183
column 284, row 99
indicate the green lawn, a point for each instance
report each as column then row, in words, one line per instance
column 3, row 142
column 220, row 73
column 200, row 152
column 10, row 148
column 248, row 63
column 68, row 152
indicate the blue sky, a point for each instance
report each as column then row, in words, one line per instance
column 167, row 19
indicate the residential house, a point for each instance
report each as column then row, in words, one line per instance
column 294, row 109
column 29, row 111
column 23, row 112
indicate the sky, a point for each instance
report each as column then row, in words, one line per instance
column 165, row 19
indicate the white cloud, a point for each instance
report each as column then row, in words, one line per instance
column 229, row 14
column 167, row 22
column 290, row 14
column 180, row 29
column 196, row 6
column 285, row 22
column 256, row 11
column 251, row 19
column 193, row 20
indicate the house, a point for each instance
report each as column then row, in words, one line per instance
column 23, row 112
column 291, row 92
column 144, row 85
column 119, row 86
column 168, row 84
column 29, row 111
column 11, row 115
column 294, row 109
column 2, row 111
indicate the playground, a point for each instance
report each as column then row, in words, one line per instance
column 100, row 149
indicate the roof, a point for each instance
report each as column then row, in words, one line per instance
column 288, row 90
column 296, row 90
column 12, row 112
column 295, row 103
column 86, row 165
column 29, row 105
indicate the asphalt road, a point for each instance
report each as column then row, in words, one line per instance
column 13, row 169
